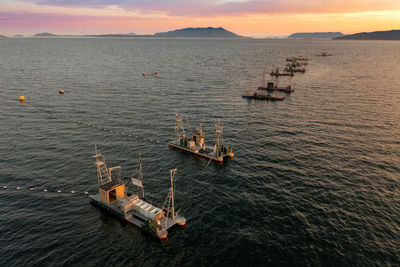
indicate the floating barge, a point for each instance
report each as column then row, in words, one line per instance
column 196, row 145
column 274, row 87
column 113, row 196
column 277, row 73
column 271, row 86
column 291, row 69
column 255, row 95
column 263, row 97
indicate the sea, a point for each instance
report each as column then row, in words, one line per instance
column 314, row 180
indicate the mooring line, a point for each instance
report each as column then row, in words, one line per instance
column 90, row 125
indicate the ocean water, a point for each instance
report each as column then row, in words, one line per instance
column 315, row 178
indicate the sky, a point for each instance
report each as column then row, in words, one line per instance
column 255, row 18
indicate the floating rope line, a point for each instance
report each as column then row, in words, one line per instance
column 109, row 130
column 35, row 189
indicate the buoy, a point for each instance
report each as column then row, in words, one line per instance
column 21, row 99
column 5, row 187
column 31, row 189
column 59, row 191
column 144, row 74
column 44, row 190
column 72, row 192
column 86, row 193
column 156, row 73
column 164, row 236
column 18, row 188
column 61, row 92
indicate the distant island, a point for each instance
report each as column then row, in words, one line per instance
column 308, row 35
column 2, row 36
column 380, row 35
column 44, row 34
column 186, row 32
column 113, row 35
column 198, row 32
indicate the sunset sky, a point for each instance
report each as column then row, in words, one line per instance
column 257, row 18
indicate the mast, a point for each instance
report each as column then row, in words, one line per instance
column 179, row 128
column 139, row 182
column 263, row 79
column 170, row 198
column 103, row 174
column 172, row 173
column 219, row 142
column 141, row 172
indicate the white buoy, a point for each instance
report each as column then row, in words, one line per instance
column 5, row 187
column 72, row 192
column 18, row 188
column 86, row 193
column 31, row 189
column 44, row 190
column 59, row 191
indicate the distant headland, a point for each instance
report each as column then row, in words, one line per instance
column 379, row 35
column 307, row 35
column 186, row 32
column 198, row 32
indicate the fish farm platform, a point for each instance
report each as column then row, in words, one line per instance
column 198, row 151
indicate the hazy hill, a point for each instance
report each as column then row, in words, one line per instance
column 198, row 32
column 44, row 34
column 381, row 35
column 316, row 35
column 113, row 35
column 2, row 36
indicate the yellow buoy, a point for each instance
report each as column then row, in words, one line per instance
column 21, row 99
column 61, row 92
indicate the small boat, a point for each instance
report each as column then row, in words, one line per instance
column 196, row 144
column 113, row 196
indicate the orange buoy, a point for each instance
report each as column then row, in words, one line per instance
column 61, row 92
column 144, row 73
column 164, row 236
column 156, row 73
column 21, row 99
column 182, row 224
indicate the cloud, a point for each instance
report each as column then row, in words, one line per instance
column 220, row 8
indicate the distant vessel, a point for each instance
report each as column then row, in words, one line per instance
column 113, row 196
column 274, row 87
column 277, row 73
column 324, row 54
column 291, row 69
column 299, row 58
column 255, row 95
column 196, row 144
